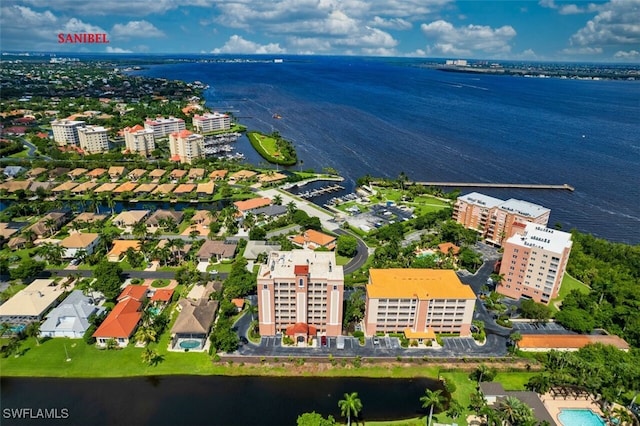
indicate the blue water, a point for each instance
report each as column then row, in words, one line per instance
column 383, row 117
column 580, row 418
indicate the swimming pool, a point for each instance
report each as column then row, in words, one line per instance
column 190, row 344
column 581, row 417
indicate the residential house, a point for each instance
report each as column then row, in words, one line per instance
column 216, row 251
column 63, row 187
column 205, row 189
column 125, row 187
column 120, row 324
column 71, row 317
column 312, row 240
column 13, row 171
column 164, row 189
column 271, row 177
column 31, row 303
column 145, row 189
column 136, row 174
column 13, row 186
column 58, row 171
column 77, row 242
column 184, row 188
column 7, row 229
column 135, row 292
column 96, row 173
column 44, row 186
column 120, row 247
column 84, row 187
column 50, row 224
column 156, row 174
column 35, row 172
column 76, row 173
column 218, row 174
column 449, row 248
column 106, row 187
column 89, row 217
column 269, row 213
column 242, row 175
column 116, row 172
column 255, row 248
column 196, row 173
column 239, row 303
column 162, row 296
column 159, row 217
column 493, row 393
column 247, row 206
column 194, row 320
column 177, row 174
column 128, row 218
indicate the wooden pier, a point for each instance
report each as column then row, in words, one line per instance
column 564, row 186
column 320, row 191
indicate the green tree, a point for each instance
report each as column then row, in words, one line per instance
column 432, row 399
column 314, row 419
column 347, row 245
column 516, row 337
column 536, row 311
column 108, row 279
column 455, row 409
column 576, row 319
column 145, row 335
column 350, row 406
column 26, row 269
column 52, row 252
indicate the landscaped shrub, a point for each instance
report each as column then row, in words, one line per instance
column 414, row 343
column 136, row 281
column 404, row 342
column 88, row 335
column 358, row 334
column 286, row 340
column 439, row 340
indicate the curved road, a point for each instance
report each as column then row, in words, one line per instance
column 361, row 256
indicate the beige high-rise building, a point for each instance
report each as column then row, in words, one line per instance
column 418, row 303
column 93, row 139
column 186, row 146
column 164, row 126
column 65, row 132
column 493, row 218
column 139, row 140
column 534, row 261
column 300, row 293
column 211, row 122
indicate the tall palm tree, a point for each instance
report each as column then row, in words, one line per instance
column 514, row 411
column 277, row 199
column 52, row 252
column 515, row 337
column 145, row 334
column 111, row 203
column 178, row 243
column 140, row 230
column 350, row 405
column 51, row 225
column 430, row 400
column 291, row 209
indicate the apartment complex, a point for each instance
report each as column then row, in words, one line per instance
column 534, row 262
column 93, row 139
column 300, row 293
column 211, row 122
column 139, row 140
column 495, row 218
column 186, row 146
column 65, row 132
column 418, row 303
column 164, row 126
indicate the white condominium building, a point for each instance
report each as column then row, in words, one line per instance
column 211, row 122
column 139, row 140
column 300, row 293
column 93, row 139
column 534, row 262
column 418, row 303
column 186, row 146
column 65, row 132
column 164, row 126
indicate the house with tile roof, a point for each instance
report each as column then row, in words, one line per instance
column 177, row 174
column 157, row 174
column 246, row 206
column 159, row 217
column 96, row 173
column 184, row 188
column 216, row 251
column 194, row 320
column 13, row 171
column 135, row 292
column 196, row 173
column 43, row 228
column 120, row 324
column 164, row 189
column 35, row 172
column 78, row 242
column 493, row 393
column 120, row 247
column 218, row 174
column 242, row 175
column 312, row 240
column 66, row 186
column 84, row 187
column 568, row 342
column 71, row 317
column 13, row 186
column 116, row 172
column 89, row 217
column 135, row 174
column 31, row 303
column 106, row 187
column 204, row 189
column 162, row 296
column 76, row 173
column 145, row 189
column 128, row 218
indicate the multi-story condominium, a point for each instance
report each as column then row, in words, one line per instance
column 139, row 140
column 533, row 263
column 211, row 122
column 164, row 126
column 418, row 303
column 186, row 146
column 93, row 139
column 300, row 293
column 65, row 132
column 494, row 218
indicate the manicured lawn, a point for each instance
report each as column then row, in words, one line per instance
column 568, row 283
column 342, row 260
column 21, row 154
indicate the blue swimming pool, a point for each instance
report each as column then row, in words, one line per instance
column 582, row 417
column 190, row 344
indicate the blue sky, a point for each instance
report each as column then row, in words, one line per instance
column 501, row 29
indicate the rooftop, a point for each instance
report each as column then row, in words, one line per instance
column 541, row 237
column 424, row 284
column 251, row 204
column 480, row 200
column 79, row 240
column 282, row 264
column 524, row 208
column 122, row 320
column 32, row 300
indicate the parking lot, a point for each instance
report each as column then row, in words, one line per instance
column 460, row 344
column 379, row 215
column 539, row 328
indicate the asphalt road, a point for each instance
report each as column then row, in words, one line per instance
column 361, row 255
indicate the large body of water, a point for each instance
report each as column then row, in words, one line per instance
column 386, row 116
column 211, row 401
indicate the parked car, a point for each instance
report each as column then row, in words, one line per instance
column 376, row 340
column 323, row 341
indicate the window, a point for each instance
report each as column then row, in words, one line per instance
column 264, row 286
column 301, row 283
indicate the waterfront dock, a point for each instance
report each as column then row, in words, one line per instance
column 564, row 186
column 320, row 191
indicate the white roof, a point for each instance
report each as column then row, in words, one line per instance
column 71, row 315
column 280, row 264
column 524, row 208
column 539, row 236
column 33, row 300
column 480, row 200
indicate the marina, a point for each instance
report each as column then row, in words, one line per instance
column 320, row 191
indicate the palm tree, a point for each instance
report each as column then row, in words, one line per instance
column 50, row 224
column 178, row 243
column 515, row 337
column 111, row 203
column 52, row 252
column 291, row 209
column 430, row 400
column 277, row 199
column 148, row 355
column 145, row 335
column 350, row 405
column 252, row 310
column 249, row 221
column 455, row 409
column 140, row 230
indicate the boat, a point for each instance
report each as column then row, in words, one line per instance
column 276, row 116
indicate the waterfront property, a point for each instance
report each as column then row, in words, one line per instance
column 77, row 243
column 494, row 393
column 194, row 321
column 186, row 146
column 123, row 320
column 31, row 303
column 418, row 303
column 71, row 317
column 534, row 262
column 300, row 292
column 494, row 218
column 93, row 139
column 139, row 140
column 248, row 206
column 211, row 122
column 164, row 126
column 312, row 240
column 65, row 132
column 127, row 219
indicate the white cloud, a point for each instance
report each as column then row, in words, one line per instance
column 392, row 23
column 75, row 25
column 631, row 54
column 237, row 44
column 136, row 29
column 582, row 51
column 117, row 50
column 617, row 22
column 471, row 39
column 117, row 7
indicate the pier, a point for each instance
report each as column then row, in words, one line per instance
column 320, row 191
column 564, row 186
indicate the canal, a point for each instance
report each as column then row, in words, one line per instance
column 204, row 400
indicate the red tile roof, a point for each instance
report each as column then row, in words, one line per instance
column 301, row 327
column 182, row 134
column 252, row 203
column 122, row 320
column 162, row 295
column 301, row 269
column 238, row 302
column 135, row 292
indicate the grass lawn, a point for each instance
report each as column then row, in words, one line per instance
column 514, row 381
column 568, row 283
column 23, row 253
column 342, row 260
column 22, row 154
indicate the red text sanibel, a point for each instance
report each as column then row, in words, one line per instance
column 97, row 38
